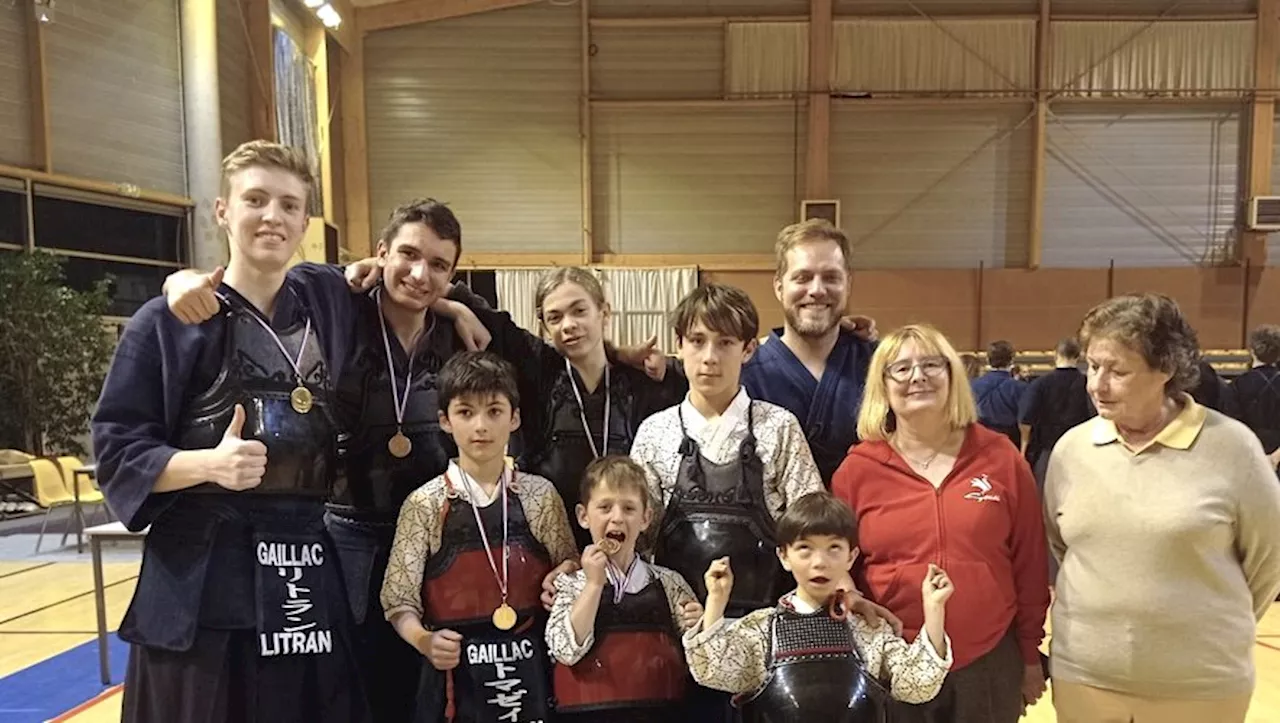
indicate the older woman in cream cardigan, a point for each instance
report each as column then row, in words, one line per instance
column 1165, row 517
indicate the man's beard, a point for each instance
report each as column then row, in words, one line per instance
column 812, row 327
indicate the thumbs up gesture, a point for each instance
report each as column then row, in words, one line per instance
column 238, row 464
column 191, row 294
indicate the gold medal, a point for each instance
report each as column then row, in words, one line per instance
column 399, row 446
column 504, row 618
column 300, row 399
column 609, row 545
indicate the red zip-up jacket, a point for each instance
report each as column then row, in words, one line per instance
column 983, row 525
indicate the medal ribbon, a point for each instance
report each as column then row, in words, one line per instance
column 484, row 536
column 619, row 580
column 302, row 349
column 582, row 412
column 398, row 402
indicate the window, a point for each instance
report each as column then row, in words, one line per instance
column 136, row 243
column 68, row 225
column 483, row 283
column 13, row 213
column 131, row 284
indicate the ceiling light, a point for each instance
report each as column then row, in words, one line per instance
column 328, row 16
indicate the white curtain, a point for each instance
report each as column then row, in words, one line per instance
column 767, row 58
column 933, row 55
column 515, row 291
column 1126, row 58
column 642, row 300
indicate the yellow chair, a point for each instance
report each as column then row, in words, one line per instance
column 51, row 492
column 89, row 492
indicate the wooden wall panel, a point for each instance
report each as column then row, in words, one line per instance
column 759, row 286
column 1211, row 299
column 1263, row 299
column 1033, row 309
column 946, row 298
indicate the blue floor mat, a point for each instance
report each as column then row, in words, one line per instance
column 52, row 687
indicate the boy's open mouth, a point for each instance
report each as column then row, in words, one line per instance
column 819, row 580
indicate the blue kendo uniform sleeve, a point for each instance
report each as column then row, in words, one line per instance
column 138, row 410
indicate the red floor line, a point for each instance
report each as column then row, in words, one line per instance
column 89, row 703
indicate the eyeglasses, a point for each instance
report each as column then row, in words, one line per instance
column 931, row 367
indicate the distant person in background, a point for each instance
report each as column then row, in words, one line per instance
column 1051, row 405
column 998, row 393
column 1212, row 391
column 1020, row 373
column 972, row 367
column 1257, row 391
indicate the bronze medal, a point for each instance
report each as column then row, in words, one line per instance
column 300, row 399
column 504, row 618
column 609, row 545
column 399, row 445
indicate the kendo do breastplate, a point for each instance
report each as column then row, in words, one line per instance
column 458, row 586
column 637, row 659
column 566, row 450
column 814, row 672
column 371, row 478
column 717, row 510
column 256, row 374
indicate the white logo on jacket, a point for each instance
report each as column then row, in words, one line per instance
column 981, row 490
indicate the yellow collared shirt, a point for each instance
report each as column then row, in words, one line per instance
column 1179, row 433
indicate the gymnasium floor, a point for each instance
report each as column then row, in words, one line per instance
column 49, row 658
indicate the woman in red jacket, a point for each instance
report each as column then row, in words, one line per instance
column 931, row 485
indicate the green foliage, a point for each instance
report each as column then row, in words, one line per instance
column 54, row 352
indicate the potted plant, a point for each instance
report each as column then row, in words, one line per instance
column 54, row 352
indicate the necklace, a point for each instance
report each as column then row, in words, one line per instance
column 922, row 464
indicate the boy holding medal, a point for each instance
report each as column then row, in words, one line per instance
column 471, row 549
column 615, row 624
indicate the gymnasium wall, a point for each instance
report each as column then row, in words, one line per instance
column 112, row 83
column 1034, row 309
column 694, row 137
column 692, row 144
